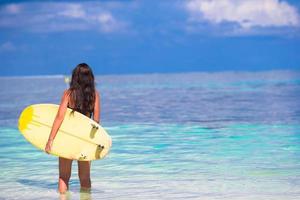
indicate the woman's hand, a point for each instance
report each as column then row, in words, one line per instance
column 48, row 146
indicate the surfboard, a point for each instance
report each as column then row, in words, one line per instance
column 78, row 138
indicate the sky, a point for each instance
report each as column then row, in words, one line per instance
column 148, row 36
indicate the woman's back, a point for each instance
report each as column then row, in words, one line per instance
column 82, row 93
column 72, row 106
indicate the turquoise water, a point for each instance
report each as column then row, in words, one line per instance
column 176, row 136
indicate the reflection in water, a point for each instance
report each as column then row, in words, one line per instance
column 85, row 194
column 65, row 196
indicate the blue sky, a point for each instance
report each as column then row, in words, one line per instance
column 116, row 37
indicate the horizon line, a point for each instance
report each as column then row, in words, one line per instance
column 150, row 73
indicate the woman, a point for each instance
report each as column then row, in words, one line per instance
column 84, row 98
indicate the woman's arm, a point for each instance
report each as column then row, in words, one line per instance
column 96, row 114
column 58, row 119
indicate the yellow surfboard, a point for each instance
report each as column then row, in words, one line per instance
column 78, row 138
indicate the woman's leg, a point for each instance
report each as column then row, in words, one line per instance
column 65, row 166
column 84, row 174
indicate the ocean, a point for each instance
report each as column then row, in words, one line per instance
column 218, row 135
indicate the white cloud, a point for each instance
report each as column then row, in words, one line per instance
column 108, row 22
column 247, row 14
column 13, row 8
column 73, row 11
column 56, row 17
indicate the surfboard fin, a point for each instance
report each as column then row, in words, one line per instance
column 82, row 156
column 95, row 126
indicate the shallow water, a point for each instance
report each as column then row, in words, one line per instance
column 218, row 135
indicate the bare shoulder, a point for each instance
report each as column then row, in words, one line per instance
column 66, row 94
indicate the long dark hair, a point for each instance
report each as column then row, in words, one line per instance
column 82, row 89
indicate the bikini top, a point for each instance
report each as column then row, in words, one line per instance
column 81, row 113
